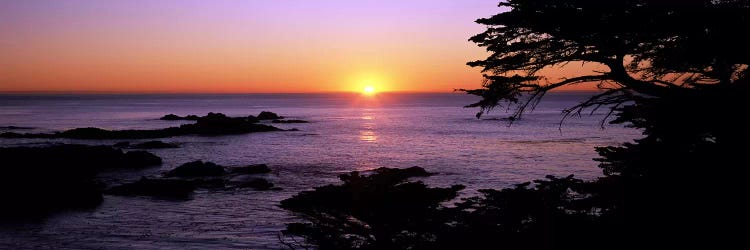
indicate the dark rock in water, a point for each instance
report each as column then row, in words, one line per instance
column 210, row 183
column 383, row 203
column 141, row 158
column 40, row 180
column 267, row 115
column 197, row 169
column 251, row 169
column 161, row 188
column 14, row 128
column 289, row 121
column 220, row 124
column 122, row 144
column 173, row 117
column 154, row 145
column 211, row 124
column 257, row 184
column 252, row 119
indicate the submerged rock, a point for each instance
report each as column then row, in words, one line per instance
column 251, row 169
column 141, row 159
column 154, row 145
column 289, row 121
column 39, row 180
column 161, row 188
column 267, row 115
column 146, row 145
column 197, row 169
column 257, row 184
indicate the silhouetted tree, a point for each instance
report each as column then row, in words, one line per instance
column 678, row 70
column 644, row 49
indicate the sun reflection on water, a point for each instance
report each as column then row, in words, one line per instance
column 367, row 133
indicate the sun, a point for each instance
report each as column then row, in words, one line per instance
column 368, row 90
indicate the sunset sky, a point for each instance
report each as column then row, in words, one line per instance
column 233, row 46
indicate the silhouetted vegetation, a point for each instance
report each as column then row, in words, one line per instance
column 39, row 180
column 676, row 71
column 209, row 125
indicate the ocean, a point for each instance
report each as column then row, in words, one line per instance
column 347, row 132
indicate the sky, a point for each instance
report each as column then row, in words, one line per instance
column 239, row 46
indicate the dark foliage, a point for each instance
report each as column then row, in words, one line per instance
column 644, row 48
column 39, row 180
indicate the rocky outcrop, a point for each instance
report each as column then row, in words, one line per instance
column 209, row 125
column 40, row 180
column 250, row 169
column 197, row 169
column 173, row 117
column 267, row 115
column 160, row 188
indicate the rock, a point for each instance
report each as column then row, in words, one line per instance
column 289, row 121
column 220, row 124
column 252, row 119
column 267, row 115
column 14, row 128
column 154, row 145
column 211, row 124
column 251, row 169
column 122, row 144
column 197, row 169
column 40, row 180
column 161, row 188
column 210, row 183
column 173, row 117
column 257, row 184
column 141, row 158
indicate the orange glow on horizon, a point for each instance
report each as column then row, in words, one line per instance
column 241, row 46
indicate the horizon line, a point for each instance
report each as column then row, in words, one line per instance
column 62, row 92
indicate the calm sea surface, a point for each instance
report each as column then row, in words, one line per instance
column 347, row 132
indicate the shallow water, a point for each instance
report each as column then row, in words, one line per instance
column 346, row 133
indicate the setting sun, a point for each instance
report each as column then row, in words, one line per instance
column 368, row 90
